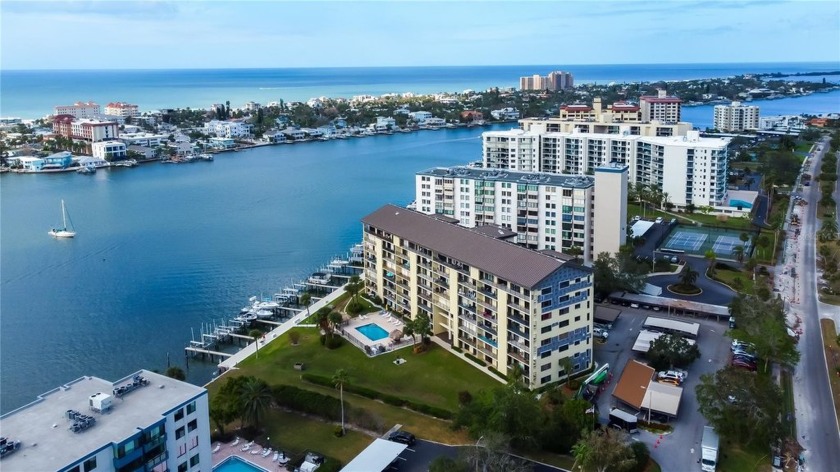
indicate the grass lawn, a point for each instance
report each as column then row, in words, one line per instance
column 735, row 459
column 832, row 357
column 787, row 398
column 295, row 434
column 634, row 209
column 434, row 377
column 729, row 274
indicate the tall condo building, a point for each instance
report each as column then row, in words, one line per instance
column 90, row 130
column 145, row 421
column 554, row 81
column 122, row 109
column 691, row 169
column 79, row 110
column 736, row 117
column 502, row 303
column 542, row 210
column 660, row 108
column 609, row 210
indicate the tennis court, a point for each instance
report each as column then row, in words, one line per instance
column 697, row 240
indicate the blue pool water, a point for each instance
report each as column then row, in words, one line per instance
column 235, row 464
column 372, row 331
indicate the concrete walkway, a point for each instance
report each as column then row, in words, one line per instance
column 232, row 361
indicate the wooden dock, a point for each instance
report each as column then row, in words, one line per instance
column 198, row 350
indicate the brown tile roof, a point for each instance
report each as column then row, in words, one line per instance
column 514, row 263
column 634, row 383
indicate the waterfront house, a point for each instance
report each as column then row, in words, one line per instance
column 59, row 160
column 143, row 151
column 507, row 113
column 274, row 136
column 339, row 123
column 93, row 162
column 184, row 148
column 386, row 122
column 222, row 143
column 293, row 135
column 435, row 122
column 227, row 129
column 31, row 164
column 420, row 116
column 312, row 133
column 143, row 139
column 110, row 150
column 471, row 115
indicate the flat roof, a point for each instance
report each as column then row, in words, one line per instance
column 506, row 260
column 633, row 384
column 375, row 457
column 512, row 176
column 646, row 337
column 677, row 304
column 605, row 313
column 674, row 325
column 640, row 227
column 42, row 426
column 663, row 398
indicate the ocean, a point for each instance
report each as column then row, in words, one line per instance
column 162, row 249
column 34, row 94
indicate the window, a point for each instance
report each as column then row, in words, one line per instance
column 546, row 329
column 75, row 469
column 89, row 464
column 183, row 467
column 194, row 442
column 179, row 415
column 545, row 367
column 545, row 379
column 179, row 433
column 192, row 425
column 194, row 460
column 191, row 408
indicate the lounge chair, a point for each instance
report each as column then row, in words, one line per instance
column 266, row 453
column 276, row 456
column 216, row 449
column 236, row 442
column 247, row 446
column 256, row 451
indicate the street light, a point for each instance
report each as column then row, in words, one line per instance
column 477, row 458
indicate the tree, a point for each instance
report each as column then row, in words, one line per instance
column 256, row 399
column 306, row 300
column 339, row 379
column 575, row 251
column 492, row 454
column 762, row 323
column 408, row 330
column 712, row 258
column 176, row 373
column 323, row 317
column 604, row 450
column 619, row 272
column 225, row 404
column 742, row 405
column 423, row 326
column 738, row 252
column 669, row 350
column 688, row 276
column 567, row 365
column 353, row 287
column 256, row 335
column 335, row 320
column 828, row 230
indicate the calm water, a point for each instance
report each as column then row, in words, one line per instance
column 33, row 94
column 162, row 248
column 817, row 103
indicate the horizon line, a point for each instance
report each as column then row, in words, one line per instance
column 4, row 69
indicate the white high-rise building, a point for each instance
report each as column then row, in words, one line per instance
column 609, row 209
column 661, row 107
column 122, row 109
column 691, row 169
column 79, row 110
column 145, row 421
column 736, row 117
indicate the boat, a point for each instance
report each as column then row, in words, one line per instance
column 63, row 232
column 86, row 170
column 205, row 156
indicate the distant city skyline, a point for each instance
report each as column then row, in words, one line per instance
column 219, row 34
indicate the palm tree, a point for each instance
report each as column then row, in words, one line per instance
column 339, row 379
column 335, row 320
column 738, row 252
column 408, row 330
column 306, row 300
column 712, row 258
column 688, row 276
column 323, row 317
column 828, row 230
column 176, row 373
column 256, row 334
column 256, row 398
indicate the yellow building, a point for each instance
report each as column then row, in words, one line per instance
column 502, row 303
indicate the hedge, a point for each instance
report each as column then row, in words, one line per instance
column 307, row 401
column 377, row 395
column 474, row 359
column 491, row 369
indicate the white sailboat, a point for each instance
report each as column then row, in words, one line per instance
column 63, row 232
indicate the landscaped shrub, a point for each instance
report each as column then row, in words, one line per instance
column 294, row 336
column 334, row 342
column 464, row 397
column 305, row 401
column 366, row 420
column 497, row 373
column 473, row 358
column 641, row 453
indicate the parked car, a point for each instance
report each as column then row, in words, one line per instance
column 741, row 345
column 675, row 375
column 659, row 220
column 634, row 305
column 601, row 333
column 744, row 364
column 403, row 437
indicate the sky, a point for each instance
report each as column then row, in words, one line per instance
column 243, row 34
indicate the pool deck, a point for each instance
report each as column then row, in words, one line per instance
column 228, row 449
column 389, row 324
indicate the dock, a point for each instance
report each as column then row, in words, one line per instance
column 202, row 351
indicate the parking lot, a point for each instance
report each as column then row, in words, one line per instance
column 418, row 457
column 680, row 449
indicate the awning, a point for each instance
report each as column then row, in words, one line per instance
column 375, row 457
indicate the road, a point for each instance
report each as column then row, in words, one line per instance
column 714, row 292
column 815, row 415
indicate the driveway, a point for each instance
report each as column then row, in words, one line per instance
column 714, row 292
column 417, row 458
column 679, row 450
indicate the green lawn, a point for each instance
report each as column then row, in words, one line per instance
column 434, row 377
column 735, row 459
column 295, row 434
column 728, row 277
column 634, row 209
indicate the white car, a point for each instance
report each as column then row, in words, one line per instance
column 671, row 375
column 634, row 305
column 601, row 333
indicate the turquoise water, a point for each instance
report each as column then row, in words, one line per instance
column 235, row 464
column 33, row 94
column 372, row 331
column 162, row 249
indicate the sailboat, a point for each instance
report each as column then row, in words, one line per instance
column 63, row 232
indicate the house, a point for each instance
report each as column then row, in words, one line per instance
column 294, row 135
column 143, row 151
column 184, row 148
column 93, row 162
column 31, row 164
column 109, row 150
column 275, row 137
column 387, row 123
column 471, row 115
column 507, row 113
column 420, row 116
column 59, row 160
column 222, row 143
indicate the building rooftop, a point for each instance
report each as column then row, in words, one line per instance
column 514, row 263
column 494, row 231
column 42, row 426
column 504, row 175
column 633, row 384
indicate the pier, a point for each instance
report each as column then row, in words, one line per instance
column 198, row 350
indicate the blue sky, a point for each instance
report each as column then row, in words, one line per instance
column 213, row 34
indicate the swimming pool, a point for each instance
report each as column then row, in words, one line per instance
column 235, row 464
column 372, row 331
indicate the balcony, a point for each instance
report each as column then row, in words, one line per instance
column 518, row 319
column 520, row 357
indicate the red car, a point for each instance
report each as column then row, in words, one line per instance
column 744, row 364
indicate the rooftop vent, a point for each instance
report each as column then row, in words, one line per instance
column 81, row 422
column 136, row 382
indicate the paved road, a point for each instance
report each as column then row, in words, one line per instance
column 815, row 416
column 418, row 457
column 679, row 450
column 713, row 292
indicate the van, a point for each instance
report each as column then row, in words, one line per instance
column 620, row 419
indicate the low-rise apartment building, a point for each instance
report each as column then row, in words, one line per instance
column 502, row 303
column 544, row 211
column 691, row 169
column 86, row 129
column 143, row 139
column 109, row 150
column 227, row 129
column 145, row 421
column 736, row 117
